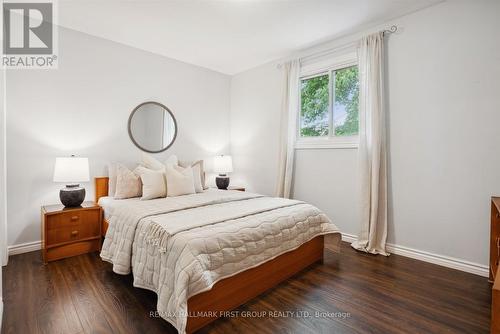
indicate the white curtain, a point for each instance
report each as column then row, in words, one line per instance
column 372, row 147
column 289, row 113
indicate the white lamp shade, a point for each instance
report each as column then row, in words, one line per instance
column 223, row 164
column 71, row 170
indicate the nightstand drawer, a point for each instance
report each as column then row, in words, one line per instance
column 67, row 219
column 72, row 233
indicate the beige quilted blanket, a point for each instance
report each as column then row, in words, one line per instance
column 181, row 246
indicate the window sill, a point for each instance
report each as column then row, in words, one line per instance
column 327, row 143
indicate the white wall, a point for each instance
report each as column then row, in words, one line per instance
column 444, row 111
column 83, row 108
column 255, row 118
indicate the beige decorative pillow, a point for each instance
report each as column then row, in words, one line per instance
column 149, row 162
column 141, row 170
column 180, row 181
column 198, row 184
column 112, row 179
column 128, row 184
column 153, row 185
column 171, row 161
column 198, row 173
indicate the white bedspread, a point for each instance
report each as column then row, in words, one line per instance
column 181, row 246
column 109, row 204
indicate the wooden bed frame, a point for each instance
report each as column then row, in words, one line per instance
column 229, row 293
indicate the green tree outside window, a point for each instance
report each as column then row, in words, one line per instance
column 315, row 108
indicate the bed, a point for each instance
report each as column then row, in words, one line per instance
column 208, row 253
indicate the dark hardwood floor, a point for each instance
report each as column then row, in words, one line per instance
column 372, row 294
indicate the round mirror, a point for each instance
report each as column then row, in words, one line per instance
column 152, row 127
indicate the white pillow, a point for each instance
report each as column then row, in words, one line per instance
column 141, row 170
column 198, row 173
column 171, row 161
column 198, row 184
column 153, row 185
column 180, row 181
column 149, row 162
column 112, row 179
column 128, row 184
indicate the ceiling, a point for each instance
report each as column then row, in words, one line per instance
column 227, row 36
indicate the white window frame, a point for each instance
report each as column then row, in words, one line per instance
column 330, row 141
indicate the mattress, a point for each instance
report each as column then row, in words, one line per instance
column 181, row 246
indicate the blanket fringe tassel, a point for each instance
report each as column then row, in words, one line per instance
column 157, row 236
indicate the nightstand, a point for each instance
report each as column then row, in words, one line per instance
column 68, row 232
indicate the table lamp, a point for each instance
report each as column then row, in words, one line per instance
column 223, row 164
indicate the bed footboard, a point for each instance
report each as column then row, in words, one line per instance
column 234, row 291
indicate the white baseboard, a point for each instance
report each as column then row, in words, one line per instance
column 24, row 248
column 445, row 261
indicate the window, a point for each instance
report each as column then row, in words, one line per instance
column 346, row 99
column 314, row 106
column 329, row 108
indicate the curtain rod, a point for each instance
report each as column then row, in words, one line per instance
column 391, row 30
column 385, row 32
